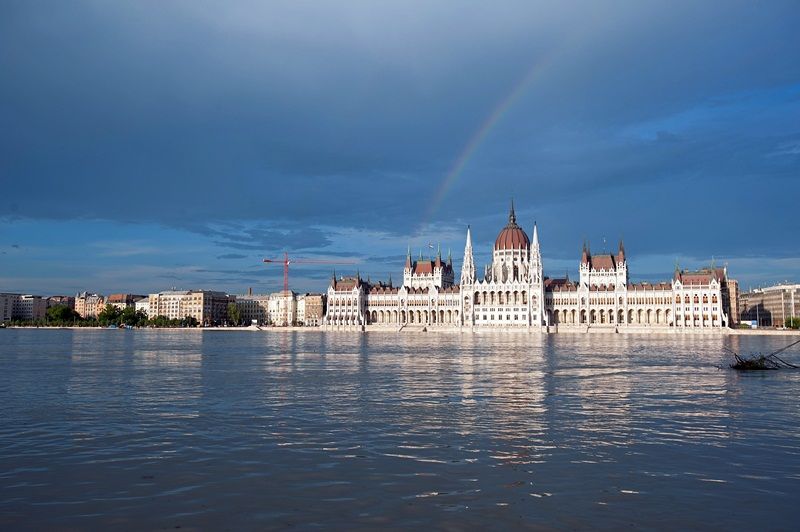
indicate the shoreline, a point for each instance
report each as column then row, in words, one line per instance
column 633, row 331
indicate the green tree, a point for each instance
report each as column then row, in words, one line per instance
column 110, row 315
column 792, row 323
column 141, row 318
column 159, row 321
column 62, row 314
column 189, row 321
column 234, row 313
column 129, row 317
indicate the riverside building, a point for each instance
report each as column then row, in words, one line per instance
column 771, row 306
column 206, row 306
column 123, row 301
column 512, row 293
column 22, row 307
column 89, row 305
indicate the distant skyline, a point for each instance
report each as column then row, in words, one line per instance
column 154, row 145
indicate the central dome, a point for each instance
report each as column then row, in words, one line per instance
column 512, row 236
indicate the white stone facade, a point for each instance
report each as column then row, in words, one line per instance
column 143, row 305
column 283, row 308
column 513, row 293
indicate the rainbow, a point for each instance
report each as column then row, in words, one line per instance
column 480, row 135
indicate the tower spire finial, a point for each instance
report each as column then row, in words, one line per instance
column 512, row 217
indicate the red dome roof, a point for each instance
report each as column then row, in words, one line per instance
column 512, row 236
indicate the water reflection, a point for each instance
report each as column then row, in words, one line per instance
column 150, row 429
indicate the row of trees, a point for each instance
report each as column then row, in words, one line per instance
column 64, row 316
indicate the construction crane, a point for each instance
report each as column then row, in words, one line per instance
column 286, row 261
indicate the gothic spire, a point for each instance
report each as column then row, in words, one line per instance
column 512, row 217
column 468, row 266
column 535, row 234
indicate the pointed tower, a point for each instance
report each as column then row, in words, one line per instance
column 468, row 266
column 622, row 266
column 536, row 280
column 535, row 241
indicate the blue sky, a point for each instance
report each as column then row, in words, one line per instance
column 149, row 145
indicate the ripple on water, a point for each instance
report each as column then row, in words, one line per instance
column 153, row 429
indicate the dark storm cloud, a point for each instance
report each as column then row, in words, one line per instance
column 265, row 126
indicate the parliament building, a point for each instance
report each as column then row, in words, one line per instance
column 513, row 293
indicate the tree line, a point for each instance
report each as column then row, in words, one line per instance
column 64, row 316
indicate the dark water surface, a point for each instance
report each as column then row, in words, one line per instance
column 244, row 430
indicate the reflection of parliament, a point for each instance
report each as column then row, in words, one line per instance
column 512, row 292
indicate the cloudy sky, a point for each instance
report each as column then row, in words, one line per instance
column 150, row 145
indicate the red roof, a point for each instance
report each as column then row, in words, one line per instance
column 346, row 283
column 701, row 276
column 512, row 236
column 601, row 262
column 559, row 285
column 421, row 266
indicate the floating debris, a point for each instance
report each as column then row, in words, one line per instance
column 762, row 362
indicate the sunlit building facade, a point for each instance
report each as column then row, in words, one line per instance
column 512, row 293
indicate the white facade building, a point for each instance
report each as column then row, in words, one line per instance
column 512, row 292
column 283, row 308
column 143, row 305
column 300, row 316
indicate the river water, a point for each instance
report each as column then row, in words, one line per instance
column 253, row 430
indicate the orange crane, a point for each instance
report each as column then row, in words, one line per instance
column 286, row 261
